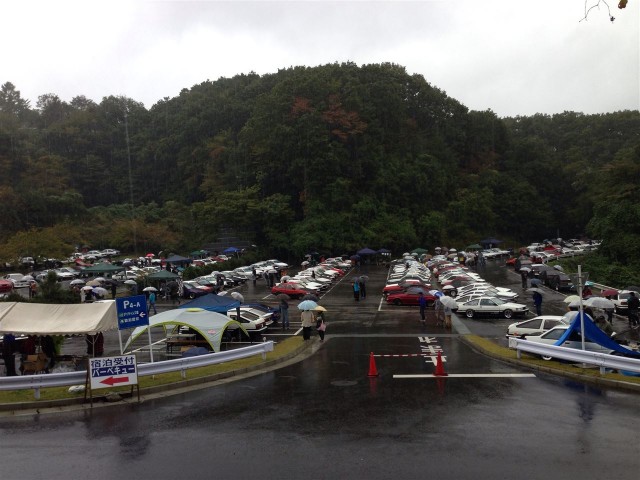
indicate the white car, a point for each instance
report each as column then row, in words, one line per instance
column 254, row 321
column 128, row 275
column 535, row 326
column 492, row 306
column 94, row 253
column 18, row 280
column 109, row 252
column 64, row 274
column 574, row 340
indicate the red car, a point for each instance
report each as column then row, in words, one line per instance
column 6, row 286
column 291, row 289
column 410, row 296
column 403, row 285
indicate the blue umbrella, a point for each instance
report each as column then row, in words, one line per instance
column 307, row 305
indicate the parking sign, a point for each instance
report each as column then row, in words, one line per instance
column 132, row 312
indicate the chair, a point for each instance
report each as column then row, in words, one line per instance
column 35, row 364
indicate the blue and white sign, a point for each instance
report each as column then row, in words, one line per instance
column 132, row 312
column 113, row 371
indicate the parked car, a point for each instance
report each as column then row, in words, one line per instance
column 252, row 321
column 109, row 252
column 492, row 306
column 127, row 275
column 620, row 300
column 6, row 286
column 252, row 313
column 574, row 340
column 557, row 280
column 18, row 280
column 191, row 289
column 410, row 296
column 403, row 285
column 535, row 326
column 292, row 289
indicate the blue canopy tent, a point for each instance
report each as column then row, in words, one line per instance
column 593, row 333
column 212, row 303
column 366, row 251
column 178, row 260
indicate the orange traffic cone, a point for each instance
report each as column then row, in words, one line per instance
column 373, row 371
column 440, row 367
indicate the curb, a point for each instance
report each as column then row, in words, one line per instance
column 598, row 381
column 159, row 390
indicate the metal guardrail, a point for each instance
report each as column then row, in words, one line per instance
column 602, row 360
column 36, row 382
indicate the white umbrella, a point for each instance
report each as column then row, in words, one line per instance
column 93, row 283
column 559, row 267
column 85, row 288
column 77, row 281
column 571, row 298
column 99, row 279
column 223, row 293
column 448, row 302
column 525, row 269
column 237, row 296
column 535, row 290
column 99, row 291
column 130, row 282
column 285, row 278
column 28, row 277
column 599, row 302
column 149, row 289
column 448, row 287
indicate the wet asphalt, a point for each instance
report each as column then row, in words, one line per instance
column 325, row 417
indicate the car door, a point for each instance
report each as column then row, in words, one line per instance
column 488, row 306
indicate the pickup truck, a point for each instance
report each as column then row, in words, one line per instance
column 18, row 280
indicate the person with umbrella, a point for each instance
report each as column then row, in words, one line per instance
column 152, row 301
column 320, row 325
column 308, row 321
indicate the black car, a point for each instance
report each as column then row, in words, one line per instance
column 557, row 280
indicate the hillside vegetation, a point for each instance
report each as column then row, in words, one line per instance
column 333, row 158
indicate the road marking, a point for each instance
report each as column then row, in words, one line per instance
column 470, row 375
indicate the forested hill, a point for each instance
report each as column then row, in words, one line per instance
column 333, row 158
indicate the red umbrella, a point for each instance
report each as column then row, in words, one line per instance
column 150, row 255
column 609, row 292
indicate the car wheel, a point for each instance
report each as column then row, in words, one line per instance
column 544, row 357
column 397, row 302
column 469, row 313
column 192, row 296
column 507, row 313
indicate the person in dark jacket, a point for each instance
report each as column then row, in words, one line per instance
column 8, row 351
column 537, row 301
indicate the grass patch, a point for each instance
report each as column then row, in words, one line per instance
column 280, row 349
column 491, row 348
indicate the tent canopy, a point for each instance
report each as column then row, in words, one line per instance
column 163, row 275
column 177, row 259
column 231, row 250
column 212, row 303
column 52, row 319
column 366, row 251
column 210, row 325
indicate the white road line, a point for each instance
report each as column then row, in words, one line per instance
column 471, row 375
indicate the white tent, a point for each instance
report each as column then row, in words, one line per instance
column 55, row 319
column 211, row 325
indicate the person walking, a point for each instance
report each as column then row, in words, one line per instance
column 254, row 276
column 114, row 291
column 524, row 275
column 321, row 326
column 447, row 317
column 422, row 302
column 152, row 302
column 284, row 313
column 537, row 302
column 362, row 282
column 8, row 354
column 439, row 308
column 356, row 291
column 308, row 321
column 632, row 309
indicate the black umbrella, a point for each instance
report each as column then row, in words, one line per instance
column 283, row 296
column 311, row 296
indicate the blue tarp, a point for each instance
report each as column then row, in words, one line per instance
column 594, row 334
column 212, row 303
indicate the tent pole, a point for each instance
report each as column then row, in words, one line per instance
column 120, row 341
column 150, row 344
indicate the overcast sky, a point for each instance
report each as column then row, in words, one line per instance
column 515, row 57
